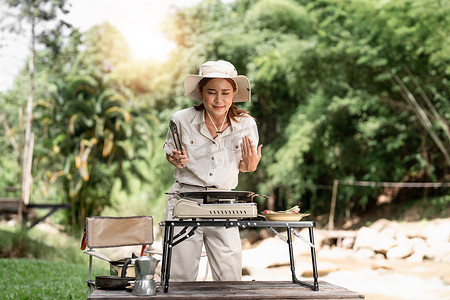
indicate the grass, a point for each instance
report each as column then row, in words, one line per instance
column 41, row 265
column 40, row 279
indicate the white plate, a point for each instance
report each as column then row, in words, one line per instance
column 283, row 216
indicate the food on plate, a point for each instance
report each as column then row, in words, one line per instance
column 292, row 210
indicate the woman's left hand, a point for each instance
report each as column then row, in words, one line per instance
column 250, row 155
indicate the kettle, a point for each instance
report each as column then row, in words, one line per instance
column 144, row 268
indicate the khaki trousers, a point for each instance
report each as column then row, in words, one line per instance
column 222, row 245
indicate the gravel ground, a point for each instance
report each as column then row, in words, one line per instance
column 375, row 279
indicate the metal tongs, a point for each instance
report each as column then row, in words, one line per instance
column 175, row 136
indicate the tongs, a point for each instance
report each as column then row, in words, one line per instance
column 176, row 137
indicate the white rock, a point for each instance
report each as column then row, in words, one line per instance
column 389, row 232
column 439, row 252
column 364, row 238
column 420, row 249
column 348, row 242
column 364, row 253
column 401, row 238
column 381, row 264
column 323, row 268
column 439, row 234
column 334, row 253
column 381, row 224
column 383, row 244
column 402, row 250
column 270, row 252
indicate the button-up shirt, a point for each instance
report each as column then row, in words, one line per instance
column 212, row 162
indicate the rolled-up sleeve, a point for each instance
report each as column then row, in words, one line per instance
column 168, row 143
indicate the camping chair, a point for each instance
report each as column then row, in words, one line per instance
column 109, row 232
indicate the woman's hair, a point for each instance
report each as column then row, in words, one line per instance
column 234, row 111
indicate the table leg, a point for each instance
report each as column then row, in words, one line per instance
column 314, row 287
column 291, row 255
column 164, row 255
column 167, row 256
column 313, row 258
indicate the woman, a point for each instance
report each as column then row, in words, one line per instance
column 218, row 140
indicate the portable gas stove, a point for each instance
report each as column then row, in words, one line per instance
column 216, row 205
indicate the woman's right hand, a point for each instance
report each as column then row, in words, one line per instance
column 177, row 159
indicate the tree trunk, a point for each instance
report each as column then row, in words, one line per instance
column 333, row 205
column 271, row 200
column 29, row 137
column 422, row 116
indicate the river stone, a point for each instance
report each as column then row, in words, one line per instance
column 402, row 250
column 420, row 249
column 364, row 238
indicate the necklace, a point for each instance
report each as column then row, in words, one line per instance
column 219, row 134
column 223, row 122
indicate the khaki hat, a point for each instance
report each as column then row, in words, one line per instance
column 218, row 69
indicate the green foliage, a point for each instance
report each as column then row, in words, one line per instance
column 279, row 16
column 87, row 135
column 324, row 95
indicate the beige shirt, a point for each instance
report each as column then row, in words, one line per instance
column 212, row 162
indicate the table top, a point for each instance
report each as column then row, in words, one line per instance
column 239, row 223
column 215, row 290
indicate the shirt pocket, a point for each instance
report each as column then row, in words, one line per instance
column 196, row 146
column 233, row 147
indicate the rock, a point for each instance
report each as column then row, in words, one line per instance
column 322, row 269
column 270, row 252
column 402, row 250
column 334, row 253
column 420, row 249
column 401, row 238
column 412, row 230
column 377, row 241
column 383, row 244
column 364, row 253
column 348, row 242
column 382, row 224
column 438, row 234
column 364, row 238
column 381, row 264
column 439, row 252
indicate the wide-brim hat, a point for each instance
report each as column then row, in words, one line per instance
column 218, row 69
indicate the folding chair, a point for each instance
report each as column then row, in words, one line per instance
column 109, row 232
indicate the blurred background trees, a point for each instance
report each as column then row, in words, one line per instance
column 354, row 90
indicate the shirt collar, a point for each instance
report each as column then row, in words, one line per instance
column 199, row 118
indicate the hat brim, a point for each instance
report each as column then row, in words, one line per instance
column 243, row 92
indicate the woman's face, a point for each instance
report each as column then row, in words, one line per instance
column 217, row 96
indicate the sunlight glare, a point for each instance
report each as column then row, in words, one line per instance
column 148, row 44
